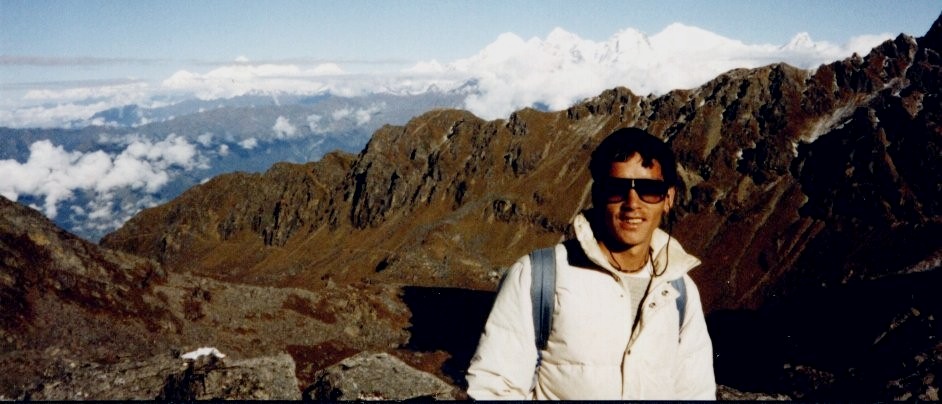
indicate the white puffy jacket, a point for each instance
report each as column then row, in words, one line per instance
column 591, row 353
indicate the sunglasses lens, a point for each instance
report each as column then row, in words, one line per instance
column 650, row 191
column 616, row 189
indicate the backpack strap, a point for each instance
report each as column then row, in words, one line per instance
column 542, row 292
column 681, row 287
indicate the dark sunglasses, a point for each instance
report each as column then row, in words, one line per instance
column 616, row 190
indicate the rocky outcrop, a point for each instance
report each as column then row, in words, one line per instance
column 57, row 290
column 67, row 266
column 70, row 306
column 168, row 377
column 258, row 212
column 376, row 376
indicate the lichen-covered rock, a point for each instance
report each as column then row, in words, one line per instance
column 264, row 378
column 168, row 377
column 377, row 376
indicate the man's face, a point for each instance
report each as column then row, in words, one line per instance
column 628, row 216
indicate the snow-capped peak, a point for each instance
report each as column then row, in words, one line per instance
column 802, row 40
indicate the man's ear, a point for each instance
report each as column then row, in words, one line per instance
column 669, row 200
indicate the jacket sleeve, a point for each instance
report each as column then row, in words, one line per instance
column 695, row 378
column 504, row 364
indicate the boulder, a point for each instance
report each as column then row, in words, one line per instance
column 168, row 377
column 376, row 376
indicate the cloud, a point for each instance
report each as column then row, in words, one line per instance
column 72, row 106
column 325, row 69
column 284, row 129
column 206, row 139
column 563, row 68
column 341, row 113
column 341, row 118
column 102, row 215
column 508, row 74
column 243, row 78
column 862, row 44
column 126, row 91
column 65, row 115
column 314, row 123
column 46, row 61
column 55, row 174
column 557, row 71
column 249, row 144
column 365, row 115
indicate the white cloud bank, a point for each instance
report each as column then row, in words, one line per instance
column 243, row 78
column 510, row 73
column 45, row 107
column 563, row 68
column 55, row 174
column 284, row 129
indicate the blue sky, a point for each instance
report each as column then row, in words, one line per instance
column 62, row 44
column 408, row 31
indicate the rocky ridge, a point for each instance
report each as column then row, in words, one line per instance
column 824, row 170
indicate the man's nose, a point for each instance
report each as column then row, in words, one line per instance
column 633, row 201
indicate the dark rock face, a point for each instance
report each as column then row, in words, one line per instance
column 376, row 376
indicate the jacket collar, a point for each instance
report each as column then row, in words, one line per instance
column 670, row 254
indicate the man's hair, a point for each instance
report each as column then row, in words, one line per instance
column 626, row 142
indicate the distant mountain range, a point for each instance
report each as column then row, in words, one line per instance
column 247, row 133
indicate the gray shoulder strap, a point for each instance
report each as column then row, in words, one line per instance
column 681, row 287
column 542, row 292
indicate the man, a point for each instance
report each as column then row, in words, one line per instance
column 616, row 331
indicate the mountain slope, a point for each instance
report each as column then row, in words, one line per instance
column 70, row 306
column 817, row 169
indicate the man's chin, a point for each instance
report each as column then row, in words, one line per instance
column 621, row 244
column 627, row 241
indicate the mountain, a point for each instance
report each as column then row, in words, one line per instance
column 802, row 188
column 798, row 159
column 154, row 154
column 73, row 310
